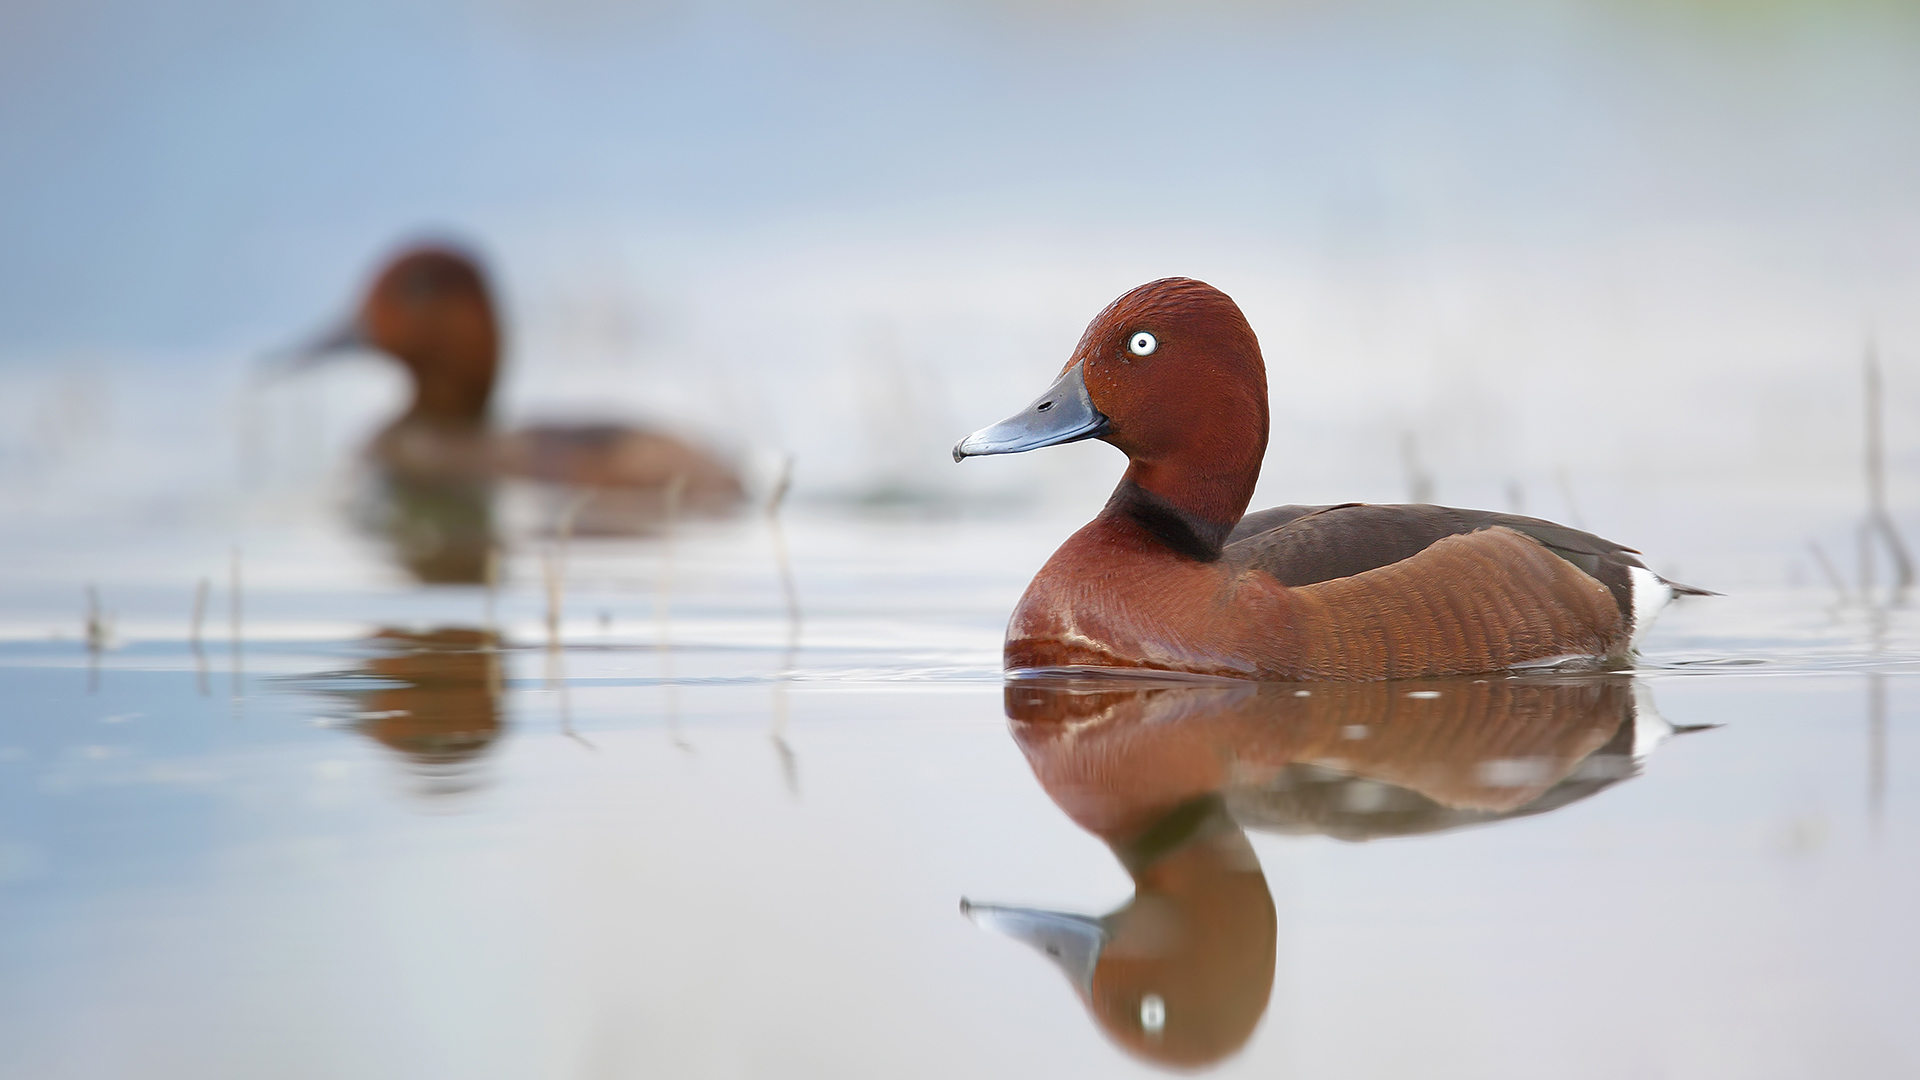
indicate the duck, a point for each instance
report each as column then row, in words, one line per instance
column 1174, row 575
column 430, row 309
column 1171, row 776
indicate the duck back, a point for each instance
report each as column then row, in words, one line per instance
column 1302, row 545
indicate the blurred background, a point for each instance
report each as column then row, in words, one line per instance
column 1616, row 262
column 705, row 801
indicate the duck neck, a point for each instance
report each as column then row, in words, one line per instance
column 1189, row 511
column 452, row 393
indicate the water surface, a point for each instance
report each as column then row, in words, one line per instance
column 395, row 831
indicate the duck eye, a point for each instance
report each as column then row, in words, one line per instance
column 1153, row 1010
column 1142, row 343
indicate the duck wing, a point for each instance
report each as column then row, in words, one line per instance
column 1302, row 545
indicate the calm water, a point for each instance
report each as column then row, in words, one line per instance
column 391, row 832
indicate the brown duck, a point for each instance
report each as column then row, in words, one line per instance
column 430, row 309
column 1174, row 574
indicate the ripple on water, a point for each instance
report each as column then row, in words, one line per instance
column 389, row 812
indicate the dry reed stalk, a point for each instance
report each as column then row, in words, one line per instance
column 194, row 634
column 491, row 572
column 1879, row 521
column 554, row 563
column 789, row 764
column 235, row 610
column 1826, row 567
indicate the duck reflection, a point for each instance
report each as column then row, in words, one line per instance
column 435, row 699
column 1171, row 776
column 439, row 529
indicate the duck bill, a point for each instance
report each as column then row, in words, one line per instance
column 1063, row 414
column 1073, row 942
column 349, row 336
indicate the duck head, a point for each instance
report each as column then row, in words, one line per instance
column 1171, row 374
column 430, row 309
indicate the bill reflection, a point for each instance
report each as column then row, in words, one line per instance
column 1172, row 776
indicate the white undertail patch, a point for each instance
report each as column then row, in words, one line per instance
column 1649, row 594
column 1650, row 729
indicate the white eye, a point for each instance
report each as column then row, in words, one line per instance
column 1153, row 1011
column 1142, row 343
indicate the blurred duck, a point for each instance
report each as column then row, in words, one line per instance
column 430, row 309
column 1174, row 574
column 1170, row 776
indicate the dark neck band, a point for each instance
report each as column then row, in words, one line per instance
column 1186, row 533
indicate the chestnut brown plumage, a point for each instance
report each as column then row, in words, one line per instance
column 430, row 309
column 1173, row 574
column 1117, row 758
column 1169, row 776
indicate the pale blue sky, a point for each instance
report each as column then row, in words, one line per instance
column 184, row 174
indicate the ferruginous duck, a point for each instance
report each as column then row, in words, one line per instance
column 1175, row 575
column 430, row 309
